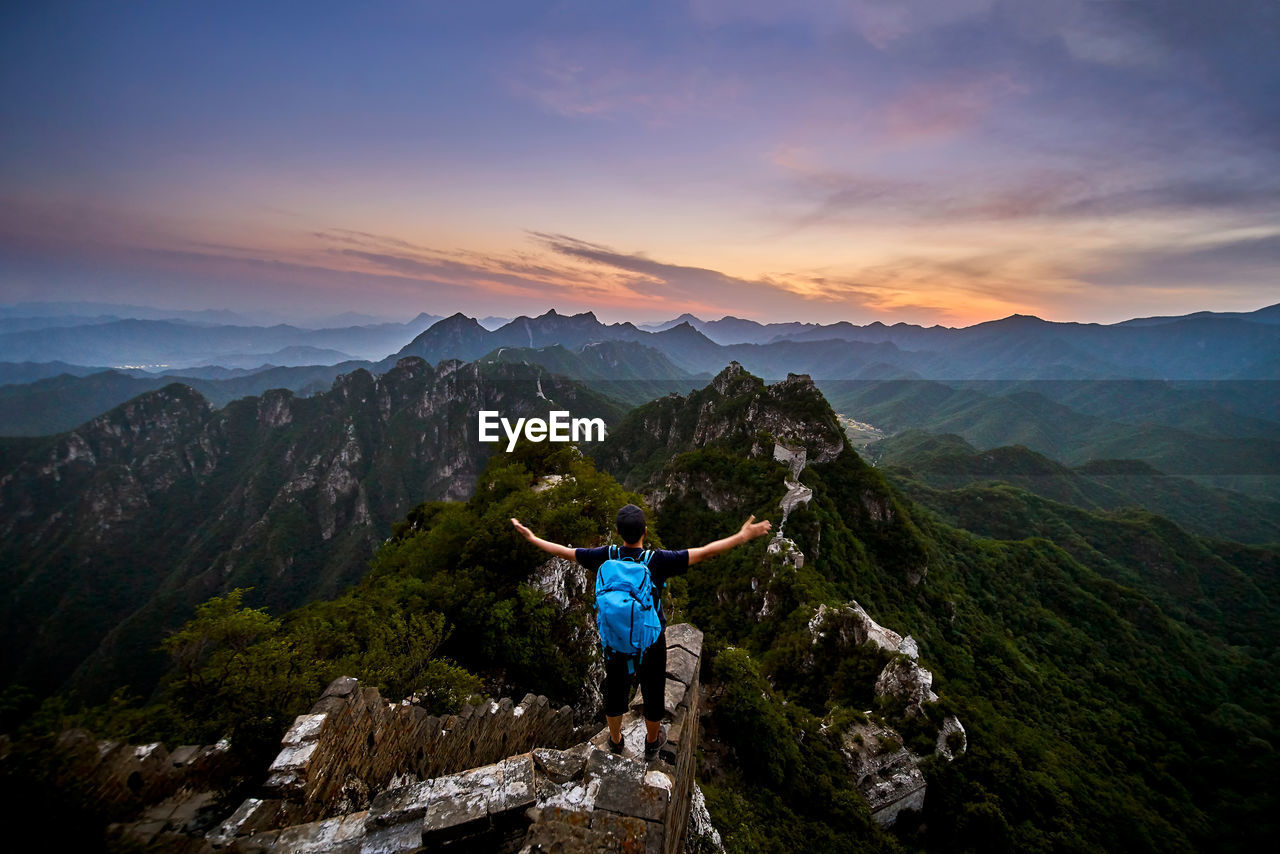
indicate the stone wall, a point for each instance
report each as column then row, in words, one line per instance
column 351, row 794
column 152, row 795
column 122, row 776
column 623, row 803
column 887, row 773
column 354, row 744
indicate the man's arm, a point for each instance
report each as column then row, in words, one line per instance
column 546, row 545
column 749, row 531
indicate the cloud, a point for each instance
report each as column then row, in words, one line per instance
column 912, row 286
column 879, row 22
column 675, row 280
column 1224, row 264
column 943, row 109
column 1026, row 194
column 609, row 79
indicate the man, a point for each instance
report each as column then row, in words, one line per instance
column 652, row 671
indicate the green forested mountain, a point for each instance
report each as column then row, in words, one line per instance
column 1115, row 679
column 1242, row 448
column 627, row 371
column 1116, row 675
column 64, row 402
column 115, row 530
column 948, row 461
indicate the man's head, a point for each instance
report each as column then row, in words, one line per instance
column 631, row 524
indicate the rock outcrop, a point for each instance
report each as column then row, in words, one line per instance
column 906, row 680
column 852, row 626
column 886, row 771
column 952, row 739
column 452, row 791
column 737, row 410
column 566, row 583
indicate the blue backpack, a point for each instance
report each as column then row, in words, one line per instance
column 626, row 614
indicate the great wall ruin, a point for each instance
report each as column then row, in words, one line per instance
column 358, row 774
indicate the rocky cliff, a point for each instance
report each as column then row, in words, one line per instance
column 737, row 411
column 119, row 527
column 737, row 447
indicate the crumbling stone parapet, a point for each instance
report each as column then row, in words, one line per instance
column 353, row 743
column 544, row 793
column 655, row 793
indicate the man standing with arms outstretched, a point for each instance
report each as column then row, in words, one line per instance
column 652, row 670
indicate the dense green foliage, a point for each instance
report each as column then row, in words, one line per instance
column 771, row 791
column 1231, row 433
column 949, row 462
column 240, row 673
column 1096, row 718
column 474, row 568
column 1118, row 680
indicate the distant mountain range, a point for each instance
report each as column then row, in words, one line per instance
column 1195, row 395
column 736, row 330
column 1204, row 346
column 79, row 310
column 159, row 344
column 67, row 400
column 1208, row 345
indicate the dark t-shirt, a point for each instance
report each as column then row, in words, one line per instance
column 663, row 565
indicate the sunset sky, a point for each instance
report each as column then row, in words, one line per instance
column 928, row 161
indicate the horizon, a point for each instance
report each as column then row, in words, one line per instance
column 355, row 318
column 931, row 163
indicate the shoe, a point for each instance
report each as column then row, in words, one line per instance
column 615, row 747
column 651, row 748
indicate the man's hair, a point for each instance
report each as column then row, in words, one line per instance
column 631, row 523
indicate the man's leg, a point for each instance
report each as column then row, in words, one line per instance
column 616, row 682
column 653, row 686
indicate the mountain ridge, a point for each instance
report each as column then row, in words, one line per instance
column 206, row 498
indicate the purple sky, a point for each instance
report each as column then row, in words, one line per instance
column 926, row 161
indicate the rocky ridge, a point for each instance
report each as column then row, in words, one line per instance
column 887, row 772
column 738, row 411
column 124, row 524
column 790, row 424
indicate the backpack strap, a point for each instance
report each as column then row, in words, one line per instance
column 649, row 585
column 645, row 557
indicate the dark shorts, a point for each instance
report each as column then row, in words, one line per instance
column 652, row 673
